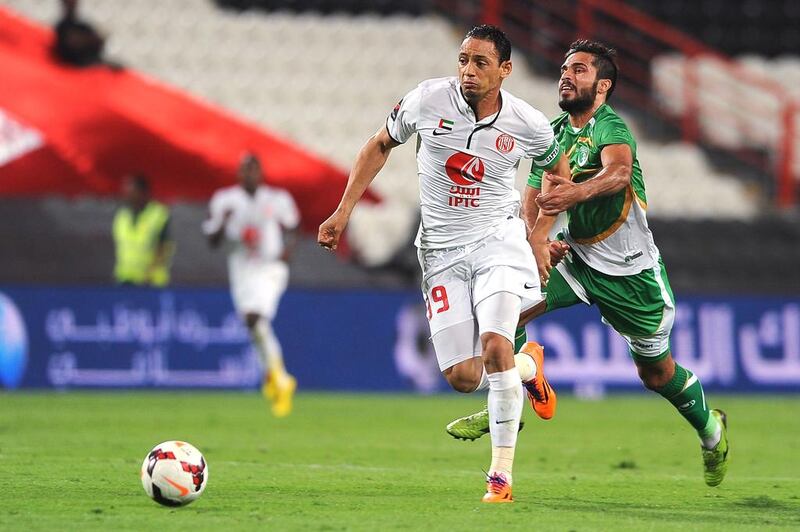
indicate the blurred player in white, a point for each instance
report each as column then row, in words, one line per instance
column 478, row 269
column 258, row 224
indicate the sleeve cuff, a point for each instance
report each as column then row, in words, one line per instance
column 389, row 132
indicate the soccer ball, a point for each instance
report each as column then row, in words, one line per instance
column 174, row 473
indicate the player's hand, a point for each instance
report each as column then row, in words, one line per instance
column 558, row 250
column 564, row 195
column 331, row 230
column 541, row 250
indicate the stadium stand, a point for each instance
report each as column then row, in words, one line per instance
column 641, row 39
column 253, row 53
column 734, row 26
column 95, row 124
column 382, row 7
column 310, row 77
column 732, row 114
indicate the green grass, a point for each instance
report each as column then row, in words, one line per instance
column 384, row 462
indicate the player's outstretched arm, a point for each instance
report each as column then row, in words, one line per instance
column 530, row 212
column 369, row 161
column 540, row 223
column 615, row 175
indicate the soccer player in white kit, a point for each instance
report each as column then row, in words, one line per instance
column 478, row 266
column 258, row 223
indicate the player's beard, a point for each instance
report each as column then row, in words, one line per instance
column 583, row 101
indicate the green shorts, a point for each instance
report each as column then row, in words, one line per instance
column 639, row 307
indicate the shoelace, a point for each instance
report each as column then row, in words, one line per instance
column 709, row 457
column 712, row 457
column 496, row 483
column 539, row 392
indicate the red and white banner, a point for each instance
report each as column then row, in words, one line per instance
column 69, row 131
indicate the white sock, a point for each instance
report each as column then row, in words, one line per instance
column 269, row 350
column 525, row 365
column 502, row 461
column 713, row 440
column 505, row 410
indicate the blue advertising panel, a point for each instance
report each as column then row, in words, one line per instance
column 356, row 340
column 733, row 344
column 131, row 337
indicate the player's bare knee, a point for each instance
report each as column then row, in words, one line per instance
column 463, row 377
column 463, row 384
column 653, row 382
column 656, row 375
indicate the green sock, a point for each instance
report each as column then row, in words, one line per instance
column 685, row 393
column 520, row 337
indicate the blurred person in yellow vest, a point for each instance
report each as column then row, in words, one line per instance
column 143, row 244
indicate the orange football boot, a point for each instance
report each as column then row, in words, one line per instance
column 498, row 488
column 541, row 395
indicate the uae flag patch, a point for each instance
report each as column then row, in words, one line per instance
column 446, row 124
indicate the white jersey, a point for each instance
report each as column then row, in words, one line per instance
column 256, row 224
column 466, row 167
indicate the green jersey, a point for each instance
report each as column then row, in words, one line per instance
column 610, row 233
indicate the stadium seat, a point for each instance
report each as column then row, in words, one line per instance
column 733, row 114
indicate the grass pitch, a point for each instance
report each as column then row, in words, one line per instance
column 384, row 462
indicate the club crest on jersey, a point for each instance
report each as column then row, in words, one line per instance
column 504, row 143
column 583, row 155
column 464, row 169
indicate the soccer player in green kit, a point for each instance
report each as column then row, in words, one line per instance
column 612, row 260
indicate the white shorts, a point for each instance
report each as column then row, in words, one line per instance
column 456, row 280
column 498, row 313
column 257, row 286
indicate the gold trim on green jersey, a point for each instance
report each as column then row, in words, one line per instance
column 626, row 207
column 585, row 171
column 571, row 150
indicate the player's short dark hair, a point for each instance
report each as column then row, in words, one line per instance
column 604, row 59
column 248, row 159
column 487, row 32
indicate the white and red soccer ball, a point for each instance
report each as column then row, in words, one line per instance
column 174, row 473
